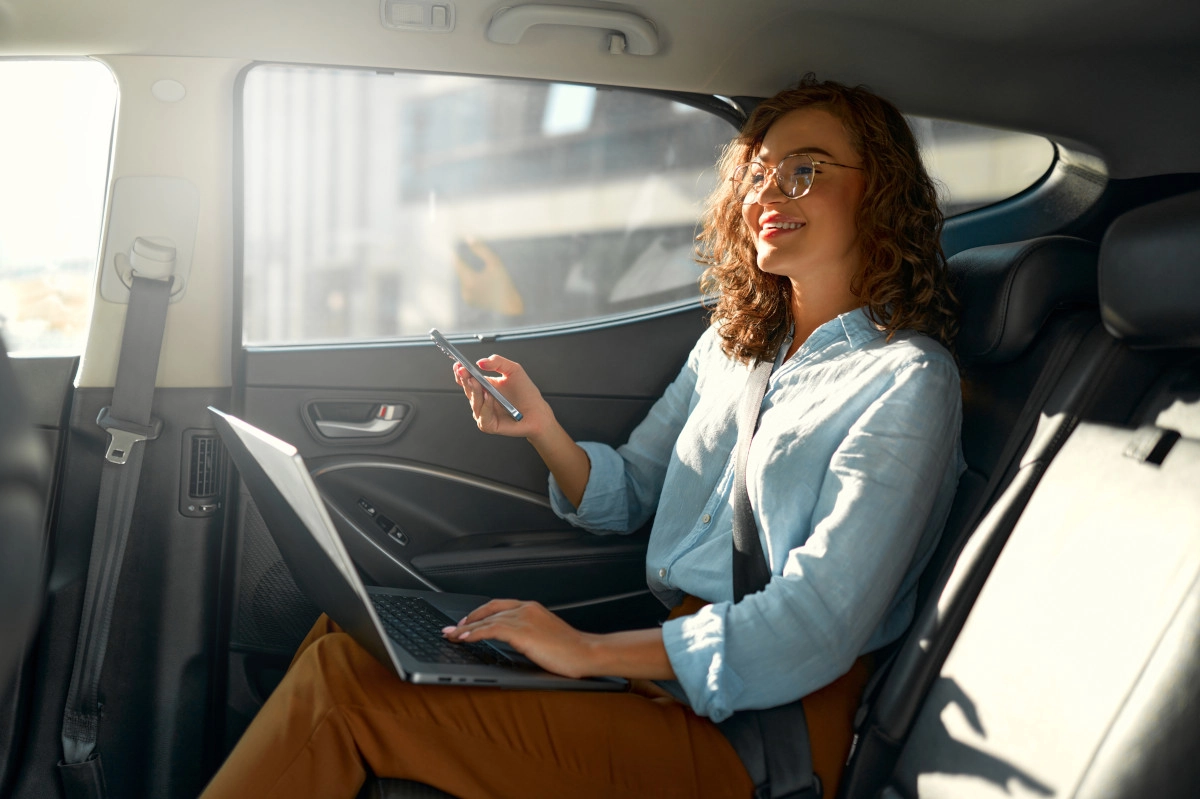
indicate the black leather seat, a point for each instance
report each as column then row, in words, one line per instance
column 24, row 473
column 400, row 789
column 1035, row 361
column 24, row 477
column 1077, row 672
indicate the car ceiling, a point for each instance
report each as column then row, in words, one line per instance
column 1120, row 78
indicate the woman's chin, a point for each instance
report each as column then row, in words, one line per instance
column 773, row 263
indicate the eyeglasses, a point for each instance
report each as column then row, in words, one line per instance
column 794, row 176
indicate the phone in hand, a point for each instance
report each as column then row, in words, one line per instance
column 454, row 355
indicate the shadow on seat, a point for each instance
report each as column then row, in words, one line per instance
column 24, row 473
column 400, row 789
column 24, row 479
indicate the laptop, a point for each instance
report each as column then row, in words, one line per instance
column 400, row 627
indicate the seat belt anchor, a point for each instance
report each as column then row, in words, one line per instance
column 122, row 435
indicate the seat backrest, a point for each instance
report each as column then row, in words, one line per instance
column 1077, row 672
column 24, row 473
column 1026, row 308
column 1032, row 347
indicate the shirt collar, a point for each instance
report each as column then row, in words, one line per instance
column 855, row 327
column 859, row 328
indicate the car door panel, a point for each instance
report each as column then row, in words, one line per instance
column 464, row 511
column 409, row 526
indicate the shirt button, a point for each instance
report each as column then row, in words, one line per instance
column 706, row 518
column 662, row 573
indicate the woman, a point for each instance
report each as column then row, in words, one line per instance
column 822, row 244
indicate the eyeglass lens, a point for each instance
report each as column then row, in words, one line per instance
column 793, row 176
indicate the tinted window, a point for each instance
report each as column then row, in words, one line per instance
column 977, row 166
column 380, row 205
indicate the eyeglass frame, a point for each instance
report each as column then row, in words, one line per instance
column 774, row 171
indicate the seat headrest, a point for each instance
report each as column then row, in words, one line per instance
column 1150, row 274
column 1009, row 290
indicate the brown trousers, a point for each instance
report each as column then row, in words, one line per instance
column 339, row 712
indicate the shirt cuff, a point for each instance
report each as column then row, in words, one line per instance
column 695, row 646
column 603, row 508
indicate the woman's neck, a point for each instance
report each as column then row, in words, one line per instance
column 811, row 309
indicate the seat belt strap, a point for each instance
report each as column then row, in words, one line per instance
column 750, row 570
column 129, row 425
column 772, row 743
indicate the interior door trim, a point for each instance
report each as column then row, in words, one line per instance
column 400, row 562
column 433, row 471
column 600, row 600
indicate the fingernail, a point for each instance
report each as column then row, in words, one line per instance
column 462, row 621
column 463, row 637
column 448, row 630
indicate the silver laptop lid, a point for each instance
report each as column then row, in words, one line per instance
column 294, row 512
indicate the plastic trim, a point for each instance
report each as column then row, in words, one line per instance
column 434, row 471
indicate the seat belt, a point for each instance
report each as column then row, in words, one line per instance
column 772, row 743
column 129, row 424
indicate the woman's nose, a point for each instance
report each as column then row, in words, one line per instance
column 771, row 193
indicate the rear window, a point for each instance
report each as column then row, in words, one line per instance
column 380, row 205
column 976, row 165
column 54, row 151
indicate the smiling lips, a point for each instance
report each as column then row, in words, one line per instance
column 777, row 226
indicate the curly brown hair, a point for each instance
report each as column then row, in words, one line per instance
column 903, row 281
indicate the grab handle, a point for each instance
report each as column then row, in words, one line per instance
column 639, row 35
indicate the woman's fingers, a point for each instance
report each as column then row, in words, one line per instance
column 498, row 363
column 490, row 608
column 530, row 629
column 490, row 619
column 478, row 398
column 513, row 382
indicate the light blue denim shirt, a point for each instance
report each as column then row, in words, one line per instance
column 851, row 475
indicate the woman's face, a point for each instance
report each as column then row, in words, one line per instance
column 812, row 239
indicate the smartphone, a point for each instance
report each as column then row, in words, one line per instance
column 454, row 355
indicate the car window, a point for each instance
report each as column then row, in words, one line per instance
column 976, row 165
column 54, row 150
column 380, row 205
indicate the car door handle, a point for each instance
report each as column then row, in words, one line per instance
column 375, row 427
column 385, row 421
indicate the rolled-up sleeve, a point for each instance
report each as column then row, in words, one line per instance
column 883, row 496
column 624, row 483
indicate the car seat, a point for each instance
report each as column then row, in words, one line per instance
column 1077, row 671
column 24, row 478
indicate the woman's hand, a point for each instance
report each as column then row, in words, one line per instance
column 516, row 386
column 566, row 460
column 556, row 646
column 533, row 631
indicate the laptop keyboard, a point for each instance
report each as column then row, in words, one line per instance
column 417, row 626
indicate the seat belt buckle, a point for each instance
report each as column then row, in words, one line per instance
column 122, row 435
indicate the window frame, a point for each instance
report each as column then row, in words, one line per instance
column 731, row 109
column 1023, row 214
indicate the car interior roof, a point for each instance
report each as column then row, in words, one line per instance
column 1112, row 77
